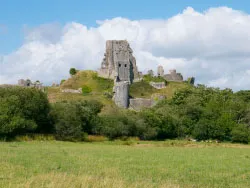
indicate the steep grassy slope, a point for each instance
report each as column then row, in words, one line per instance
column 144, row 90
column 101, row 89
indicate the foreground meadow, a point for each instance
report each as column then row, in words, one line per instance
column 115, row 164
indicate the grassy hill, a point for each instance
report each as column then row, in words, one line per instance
column 101, row 89
column 144, row 90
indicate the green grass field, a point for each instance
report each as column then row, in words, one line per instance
column 115, row 164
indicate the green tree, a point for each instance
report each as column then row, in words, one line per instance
column 23, row 110
column 73, row 119
column 72, row 71
column 241, row 133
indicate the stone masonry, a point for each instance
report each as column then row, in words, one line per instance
column 160, row 71
column 119, row 62
column 173, row 76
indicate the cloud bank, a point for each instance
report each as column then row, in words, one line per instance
column 213, row 46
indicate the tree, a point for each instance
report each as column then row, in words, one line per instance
column 241, row 133
column 23, row 110
column 73, row 119
column 72, row 71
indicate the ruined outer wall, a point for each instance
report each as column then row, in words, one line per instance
column 158, row 85
column 173, row 76
column 140, row 103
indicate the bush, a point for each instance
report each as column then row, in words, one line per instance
column 86, row 90
column 241, row 133
column 73, row 120
column 125, row 125
column 23, row 110
column 72, row 71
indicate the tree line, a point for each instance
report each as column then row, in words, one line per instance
column 197, row 112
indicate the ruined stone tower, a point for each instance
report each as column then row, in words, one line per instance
column 160, row 71
column 119, row 62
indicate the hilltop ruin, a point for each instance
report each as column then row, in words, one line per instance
column 119, row 62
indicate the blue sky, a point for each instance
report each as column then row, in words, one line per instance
column 17, row 14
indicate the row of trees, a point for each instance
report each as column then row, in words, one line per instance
column 198, row 112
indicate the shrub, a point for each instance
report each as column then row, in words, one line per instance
column 124, row 125
column 72, row 71
column 86, row 90
column 241, row 133
column 23, row 110
column 73, row 120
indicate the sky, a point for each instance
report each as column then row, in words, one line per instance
column 209, row 40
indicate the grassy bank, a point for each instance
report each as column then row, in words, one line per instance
column 123, row 164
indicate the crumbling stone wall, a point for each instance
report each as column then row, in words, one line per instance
column 158, row 85
column 71, row 90
column 119, row 61
column 29, row 83
column 140, row 103
column 160, row 71
column 173, row 76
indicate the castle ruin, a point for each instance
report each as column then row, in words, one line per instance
column 173, row 76
column 29, row 83
column 119, row 62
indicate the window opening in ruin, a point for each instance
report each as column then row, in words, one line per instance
column 119, row 65
column 125, row 65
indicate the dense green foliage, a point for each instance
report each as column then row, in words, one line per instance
column 23, row 110
column 202, row 113
column 125, row 124
column 72, row 71
column 73, row 120
column 198, row 112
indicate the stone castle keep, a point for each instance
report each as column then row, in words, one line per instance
column 120, row 64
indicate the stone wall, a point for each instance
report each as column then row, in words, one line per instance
column 158, row 85
column 71, row 90
column 173, row 76
column 140, row 103
column 121, row 94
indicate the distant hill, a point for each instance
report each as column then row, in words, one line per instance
column 101, row 89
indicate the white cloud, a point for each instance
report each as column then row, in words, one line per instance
column 213, row 46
